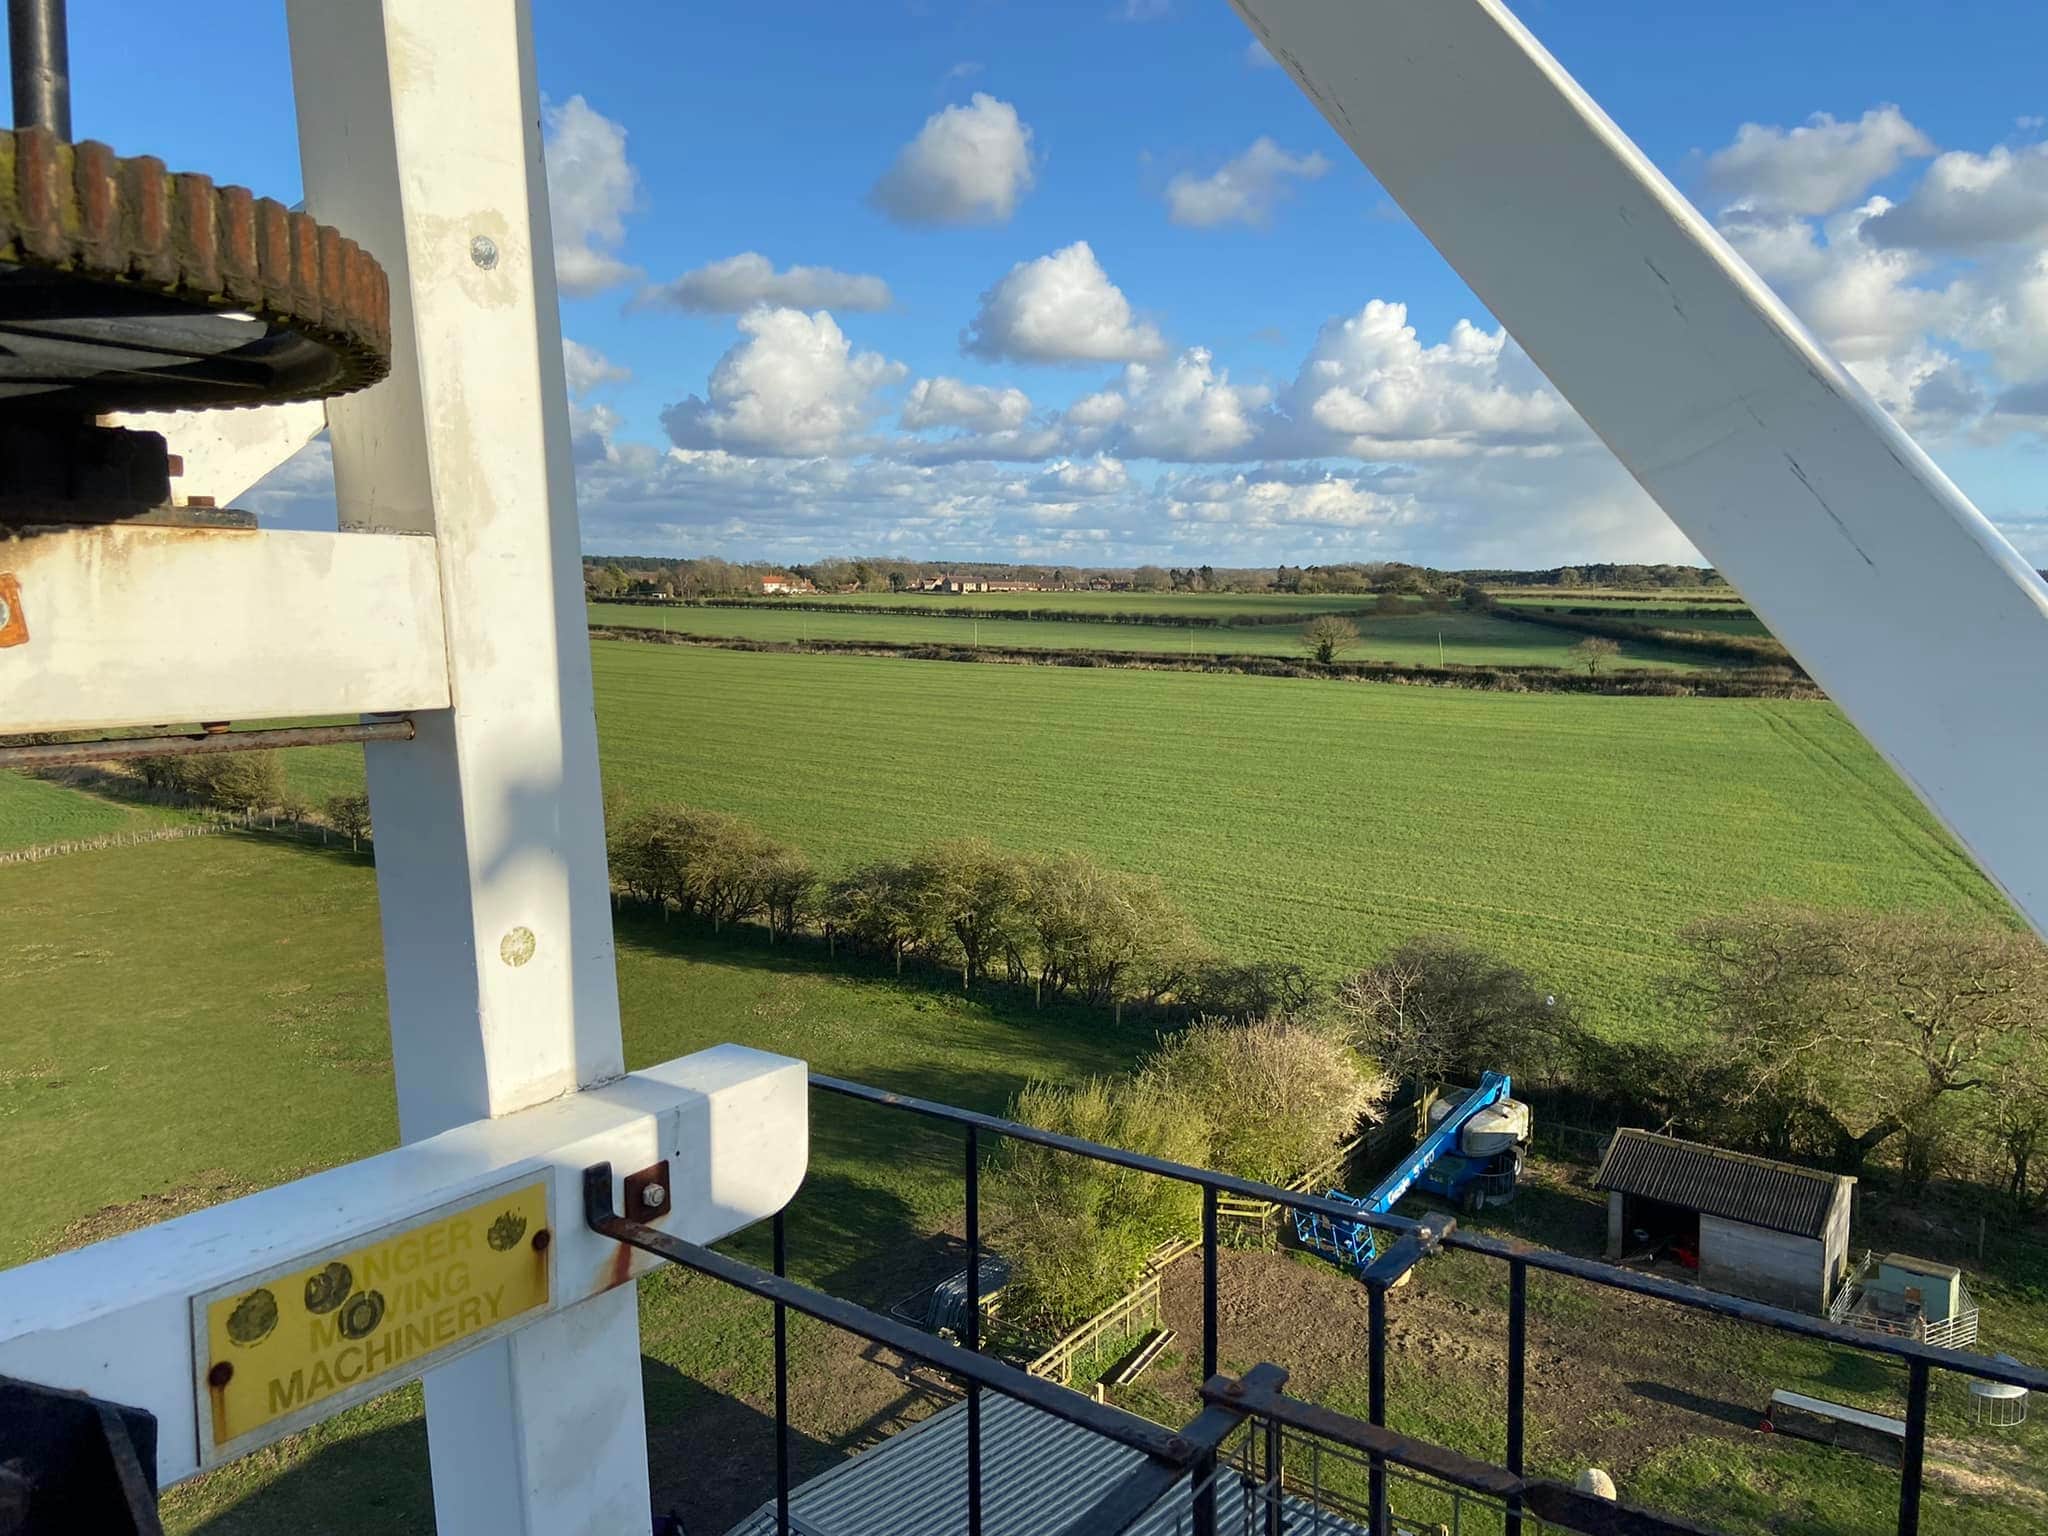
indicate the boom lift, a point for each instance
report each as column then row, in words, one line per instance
column 1471, row 1157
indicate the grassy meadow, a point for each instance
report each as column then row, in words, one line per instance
column 1414, row 638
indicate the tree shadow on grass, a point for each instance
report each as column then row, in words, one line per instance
column 1740, row 1415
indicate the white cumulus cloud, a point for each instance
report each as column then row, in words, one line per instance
column 949, row 402
column 1061, row 308
column 740, row 282
column 1371, row 389
column 587, row 368
column 1187, row 410
column 967, row 165
column 794, row 387
column 1817, row 167
column 1242, row 190
column 591, row 189
column 1099, row 476
column 1966, row 202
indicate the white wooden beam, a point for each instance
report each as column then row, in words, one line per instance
column 113, row 1319
column 1918, row 618
column 419, row 133
column 224, row 453
column 131, row 626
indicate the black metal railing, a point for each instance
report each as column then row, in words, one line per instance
column 1192, row 1456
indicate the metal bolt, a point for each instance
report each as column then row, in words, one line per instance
column 654, row 1196
column 221, row 1374
column 6, row 612
column 483, row 250
column 541, row 1239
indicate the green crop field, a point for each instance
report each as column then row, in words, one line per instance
column 1415, row 638
column 1300, row 819
column 34, row 813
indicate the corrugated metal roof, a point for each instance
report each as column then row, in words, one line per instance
column 1779, row 1196
column 1037, row 1474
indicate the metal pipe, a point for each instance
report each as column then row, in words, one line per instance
column 51, row 754
column 1205, row 1469
column 1376, row 1405
column 781, row 1389
column 40, row 55
column 1915, row 1456
column 1518, row 1349
column 971, row 1328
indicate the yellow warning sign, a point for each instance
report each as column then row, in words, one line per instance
column 283, row 1349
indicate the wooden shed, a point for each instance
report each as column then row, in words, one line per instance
column 1770, row 1231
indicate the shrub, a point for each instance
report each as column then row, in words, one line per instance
column 227, row 781
column 886, row 907
column 1277, row 1093
column 1078, row 1231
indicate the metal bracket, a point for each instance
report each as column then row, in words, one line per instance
column 648, row 1193
column 1408, row 1250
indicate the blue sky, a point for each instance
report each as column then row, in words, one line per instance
column 1092, row 282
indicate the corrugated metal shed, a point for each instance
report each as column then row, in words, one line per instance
column 1038, row 1473
column 1778, row 1196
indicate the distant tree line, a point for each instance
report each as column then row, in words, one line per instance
column 656, row 576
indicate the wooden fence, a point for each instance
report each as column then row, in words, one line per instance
column 1137, row 1308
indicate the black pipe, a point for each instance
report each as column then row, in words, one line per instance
column 41, row 58
column 50, row 754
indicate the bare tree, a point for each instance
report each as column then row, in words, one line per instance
column 1328, row 636
column 1870, row 1023
column 1594, row 652
column 1441, row 1010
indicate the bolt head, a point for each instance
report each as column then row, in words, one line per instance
column 483, row 250
column 655, row 1196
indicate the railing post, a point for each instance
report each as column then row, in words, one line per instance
column 1518, row 1339
column 1376, row 1405
column 971, row 1328
column 781, row 1390
column 1205, row 1466
column 1916, row 1448
column 1276, row 1509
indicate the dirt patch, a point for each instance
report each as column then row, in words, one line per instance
column 1986, row 1471
column 1609, row 1387
column 212, row 1187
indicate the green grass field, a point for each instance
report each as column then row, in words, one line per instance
column 1304, row 820
column 1418, row 639
column 1298, row 819
column 35, row 813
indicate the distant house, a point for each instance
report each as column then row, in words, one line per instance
column 959, row 584
column 1770, row 1231
column 778, row 583
column 1012, row 586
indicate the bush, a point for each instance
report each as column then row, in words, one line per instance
column 1220, row 990
column 1277, row 1093
column 1077, row 1231
column 227, row 781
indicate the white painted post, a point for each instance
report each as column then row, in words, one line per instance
column 419, row 130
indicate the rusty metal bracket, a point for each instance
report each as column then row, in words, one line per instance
column 1408, row 1250
column 648, row 1193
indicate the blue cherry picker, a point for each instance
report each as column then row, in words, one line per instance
column 1471, row 1158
